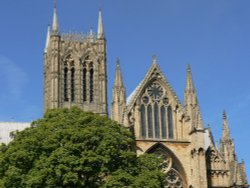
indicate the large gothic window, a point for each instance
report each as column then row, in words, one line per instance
column 157, row 121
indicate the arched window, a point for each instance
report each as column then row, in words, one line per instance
column 91, row 84
column 156, row 118
column 84, row 82
column 66, row 84
column 150, row 123
column 171, row 167
column 157, row 111
column 170, row 123
column 72, row 84
column 163, row 123
column 143, row 122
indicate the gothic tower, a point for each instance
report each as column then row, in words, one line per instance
column 75, row 69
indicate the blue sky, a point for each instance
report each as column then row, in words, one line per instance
column 211, row 35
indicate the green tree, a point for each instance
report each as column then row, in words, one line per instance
column 72, row 148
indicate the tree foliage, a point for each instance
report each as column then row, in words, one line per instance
column 72, row 148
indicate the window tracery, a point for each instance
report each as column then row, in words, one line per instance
column 156, row 115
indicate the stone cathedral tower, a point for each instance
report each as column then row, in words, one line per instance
column 75, row 69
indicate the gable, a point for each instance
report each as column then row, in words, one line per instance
column 156, row 82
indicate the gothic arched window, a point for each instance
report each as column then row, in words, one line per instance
column 170, row 123
column 143, row 122
column 84, row 82
column 65, row 81
column 91, row 84
column 72, row 84
column 150, row 123
column 158, row 113
column 163, row 122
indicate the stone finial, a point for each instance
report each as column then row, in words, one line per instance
column 100, row 31
column 55, row 26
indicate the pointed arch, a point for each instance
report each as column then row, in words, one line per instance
column 173, row 164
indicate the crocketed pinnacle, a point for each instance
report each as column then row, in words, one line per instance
column 226, row 131
column 118, row 75
column 191, row 102
column 189, row 83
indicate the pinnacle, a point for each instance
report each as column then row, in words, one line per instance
column 55, row 27
column 118, row 75
column 100, row 32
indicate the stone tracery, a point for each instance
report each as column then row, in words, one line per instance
column 156, row 113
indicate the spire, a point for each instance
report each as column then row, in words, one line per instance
column 189, row 84
column 47, row 40
column 55, row 27
column 226, row 132
column 100, row 32
column 190, row 92
column 118, row 103
column 118, row 75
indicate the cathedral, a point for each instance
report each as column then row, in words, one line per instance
column 75, row 74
